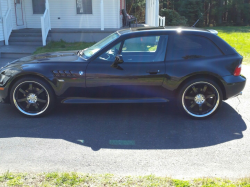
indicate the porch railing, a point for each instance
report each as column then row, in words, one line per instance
column 45, row 23
column 162, row 21
column 7, row 25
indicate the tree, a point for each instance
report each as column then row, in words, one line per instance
column 192, row 10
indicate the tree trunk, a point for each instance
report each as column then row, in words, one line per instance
column 210, row 13
column 220, row 12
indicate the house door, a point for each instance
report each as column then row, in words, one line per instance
column 19, row 13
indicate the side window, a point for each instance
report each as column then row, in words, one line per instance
column 109, row 55
column 145, row 49
column 191, row 47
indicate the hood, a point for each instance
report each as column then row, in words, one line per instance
column 62, row 56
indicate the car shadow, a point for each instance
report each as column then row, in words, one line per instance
column 126, row 126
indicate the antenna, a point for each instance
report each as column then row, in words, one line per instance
column 201, row 16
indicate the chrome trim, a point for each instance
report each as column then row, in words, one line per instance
column 204, row 115
column 26, row 113
column 60, row 80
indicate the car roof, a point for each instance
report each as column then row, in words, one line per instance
column 160, row 29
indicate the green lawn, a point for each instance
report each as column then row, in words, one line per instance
column 62, row 46
column 237, row 37
column 77, row 179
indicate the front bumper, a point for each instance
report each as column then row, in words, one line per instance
column 234, row 85
column 4, row 95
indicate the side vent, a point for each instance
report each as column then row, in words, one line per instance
column 68, row 73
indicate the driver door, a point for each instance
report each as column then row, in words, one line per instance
column 139, row 76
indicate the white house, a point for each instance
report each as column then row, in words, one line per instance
column 66, row 14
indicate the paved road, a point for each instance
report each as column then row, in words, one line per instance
column 129, row 140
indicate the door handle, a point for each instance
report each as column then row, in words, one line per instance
column 154, row 72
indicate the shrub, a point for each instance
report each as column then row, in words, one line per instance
column 173, row 18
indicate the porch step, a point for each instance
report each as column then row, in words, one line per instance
column 26, row 43
column 24, row 34
column 27, row 39
column 14, row 55
column 15, row 52
column 27, row 31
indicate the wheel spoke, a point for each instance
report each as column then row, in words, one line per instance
column 208, row 104
column 21, row 100
column 28, row 106
column 204, row 89
column 40, row 91
column 195, row 90
column 22, row 91
column 36, row 106
column 41, row 100
column 200, row 108
column 188, row 97
column 30, row 86
column 192, row 106
column 208, row 96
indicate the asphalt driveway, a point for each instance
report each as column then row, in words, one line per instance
column 129, row 140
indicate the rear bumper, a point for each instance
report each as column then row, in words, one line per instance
column 234, row 85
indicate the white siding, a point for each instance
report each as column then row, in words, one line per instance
column 3, row 9
column 66, row 11
column 111, row 14
column 32, row 20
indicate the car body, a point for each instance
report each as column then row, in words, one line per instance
column 141, row 65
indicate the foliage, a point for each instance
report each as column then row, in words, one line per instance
column 173, row 18
column 77, row 179
column 192, row 10
column 137, row 9
column 181, row 183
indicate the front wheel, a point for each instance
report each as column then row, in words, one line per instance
column 200, row 98
column 32, row 96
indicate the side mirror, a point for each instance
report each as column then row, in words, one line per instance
column 118, row 60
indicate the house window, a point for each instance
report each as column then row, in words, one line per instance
column 84, row 6
column 38, row 6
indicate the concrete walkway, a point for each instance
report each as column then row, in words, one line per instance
column 16, row 51
column 4, row 61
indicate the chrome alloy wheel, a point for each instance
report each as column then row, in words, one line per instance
column 200, row 99
column 31, row 98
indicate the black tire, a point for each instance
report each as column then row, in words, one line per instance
column 199, row 98
column 32, row 96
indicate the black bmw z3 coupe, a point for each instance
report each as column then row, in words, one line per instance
column 191, row 66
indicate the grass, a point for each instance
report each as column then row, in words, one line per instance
column 76, row 179
column 237, row 37
column 62, row 46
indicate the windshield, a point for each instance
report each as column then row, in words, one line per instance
column 98, row 46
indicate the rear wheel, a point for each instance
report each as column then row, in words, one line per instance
column 200, row 98
column 32, row 96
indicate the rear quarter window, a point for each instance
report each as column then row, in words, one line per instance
column 184, row 47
